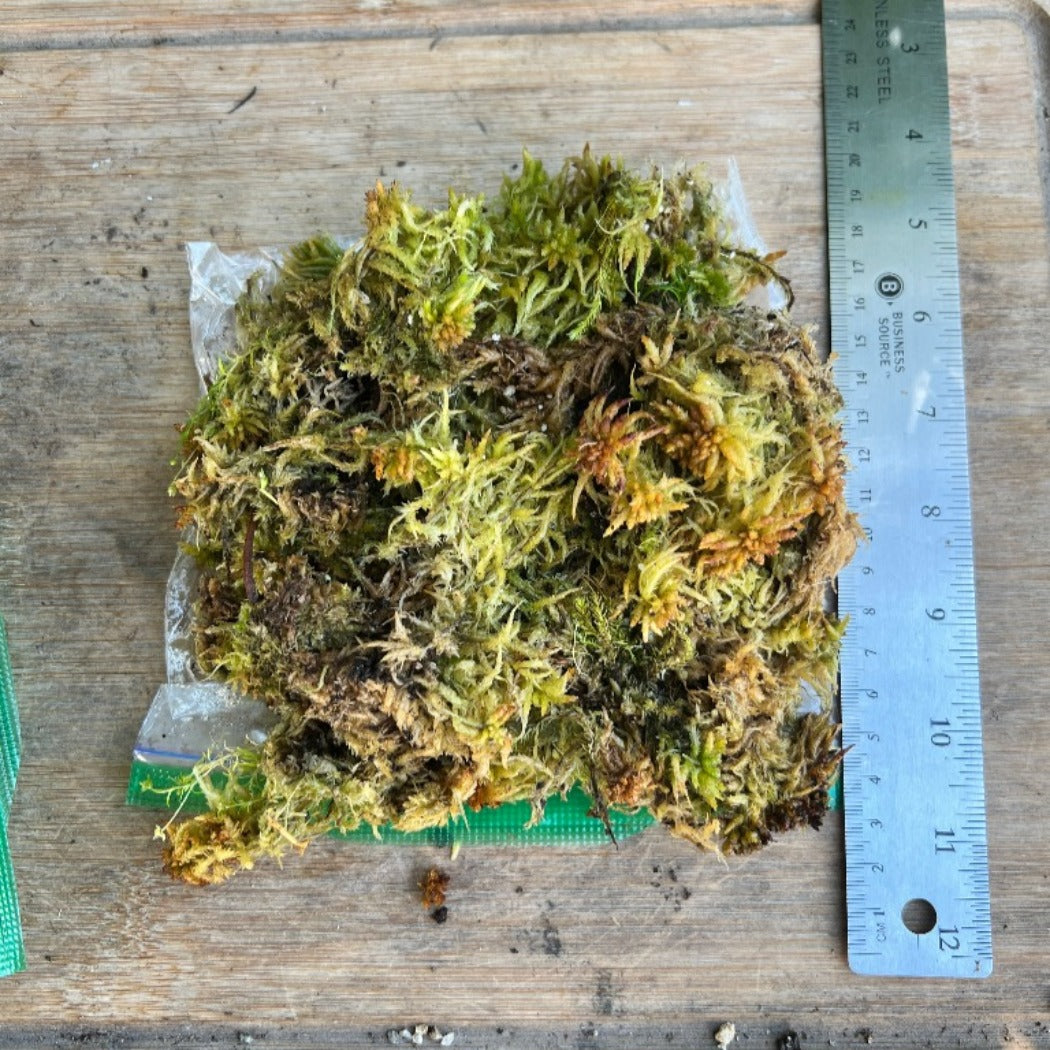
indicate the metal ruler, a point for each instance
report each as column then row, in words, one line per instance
column 913, row 779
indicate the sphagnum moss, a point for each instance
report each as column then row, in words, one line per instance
column 508, row 498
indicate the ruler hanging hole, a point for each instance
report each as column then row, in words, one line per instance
column 919, row 915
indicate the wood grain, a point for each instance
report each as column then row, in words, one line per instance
column 117, row 23
column 80, row 24
column 115, row 156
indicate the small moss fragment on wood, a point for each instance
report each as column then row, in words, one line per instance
column 510, row 497
column 433, row 887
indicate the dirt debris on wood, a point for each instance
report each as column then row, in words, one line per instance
column 725, row 1033
column 420, row 1034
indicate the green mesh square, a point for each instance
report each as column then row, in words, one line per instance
column 565, row 821
column 12, row 952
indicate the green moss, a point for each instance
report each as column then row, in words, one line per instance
column 509, row 498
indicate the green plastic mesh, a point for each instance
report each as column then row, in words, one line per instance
column 565, row 821
column 12, row 952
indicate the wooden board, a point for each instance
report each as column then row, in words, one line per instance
column 113, row 157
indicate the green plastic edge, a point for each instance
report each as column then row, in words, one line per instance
column 565, row 821
column 12, row 949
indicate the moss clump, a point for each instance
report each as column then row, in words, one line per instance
column 509, row 498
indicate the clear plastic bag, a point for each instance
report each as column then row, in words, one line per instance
column 192, row 715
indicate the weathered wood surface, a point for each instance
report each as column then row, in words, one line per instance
column 113, row 156
column 122, row 23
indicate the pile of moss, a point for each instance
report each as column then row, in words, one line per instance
column 510, row 497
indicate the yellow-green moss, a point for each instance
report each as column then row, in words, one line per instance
column 511, row 497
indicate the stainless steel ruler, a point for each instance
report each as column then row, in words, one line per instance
column 913, row 778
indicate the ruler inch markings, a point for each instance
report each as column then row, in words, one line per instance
column 913, row 781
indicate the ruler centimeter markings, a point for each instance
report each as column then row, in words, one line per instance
column 913, row 782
